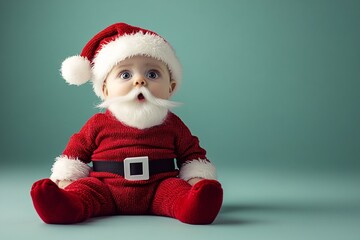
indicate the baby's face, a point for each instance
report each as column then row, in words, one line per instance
column 136, row 72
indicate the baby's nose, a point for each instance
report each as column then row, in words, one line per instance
column 139, row 82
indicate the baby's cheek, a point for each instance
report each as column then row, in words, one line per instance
column 118, row 90
column 160, row 92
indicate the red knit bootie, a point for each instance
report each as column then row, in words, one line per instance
column 202, row 203
column 198, row 204
column 55, row 205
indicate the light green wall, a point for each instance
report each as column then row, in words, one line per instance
column 266, row 83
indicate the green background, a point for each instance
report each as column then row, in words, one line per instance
column 271, row 88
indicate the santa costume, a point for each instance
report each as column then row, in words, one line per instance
column 133, row 170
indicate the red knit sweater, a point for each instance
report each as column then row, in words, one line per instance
column 103, row 137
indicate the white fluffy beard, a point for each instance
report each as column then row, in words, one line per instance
column 139, row 108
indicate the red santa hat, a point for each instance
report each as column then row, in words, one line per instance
column 113, row 45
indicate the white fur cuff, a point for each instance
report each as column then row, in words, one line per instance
column 66, row 168
column 197, row 168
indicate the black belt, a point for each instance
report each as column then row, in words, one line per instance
column 155, row 166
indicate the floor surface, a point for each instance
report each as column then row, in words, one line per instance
column 258, row 204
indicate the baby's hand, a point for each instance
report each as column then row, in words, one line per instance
column 64, row 183
column 193, row 181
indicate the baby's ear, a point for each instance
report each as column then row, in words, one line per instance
column 105, row 90
column 172, row 86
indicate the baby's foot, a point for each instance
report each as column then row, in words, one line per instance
column 202, row 203
column 55, row 205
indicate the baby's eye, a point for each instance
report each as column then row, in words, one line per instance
column 152, row 74
column 125, row 75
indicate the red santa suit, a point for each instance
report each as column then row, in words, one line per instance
column 104, row 138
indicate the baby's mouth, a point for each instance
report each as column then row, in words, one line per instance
column 141, row 97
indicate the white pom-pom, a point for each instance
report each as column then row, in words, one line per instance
column 76, row 70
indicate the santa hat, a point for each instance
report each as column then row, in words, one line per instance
column 113, row 45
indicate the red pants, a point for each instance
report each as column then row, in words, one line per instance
column 103, row 194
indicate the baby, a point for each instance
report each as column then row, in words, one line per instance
column 133, row 145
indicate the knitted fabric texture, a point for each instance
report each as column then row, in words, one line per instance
column 109, row 195
column 103, row 137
